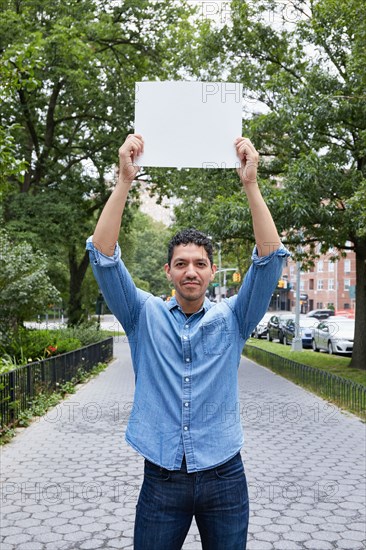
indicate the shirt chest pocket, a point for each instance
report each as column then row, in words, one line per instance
column 215, row 337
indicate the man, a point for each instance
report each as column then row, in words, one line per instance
column 185, row 354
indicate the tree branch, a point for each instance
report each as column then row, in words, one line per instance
column 28, row 119
column 348, row 144
column 49, row 132
column 284, row 67
column 82, row 117
column 50, row 121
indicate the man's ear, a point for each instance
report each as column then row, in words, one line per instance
column 167, row 271
column 214, row 269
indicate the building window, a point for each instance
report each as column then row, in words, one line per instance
column 302, row 284
column 346, row 306
column 331, row 267
column 330, row 284
column 319, row 305
column 320, row 266
column 320, row 284
column 311, row 284
column 292, row 271
column 347, row 284
column 347, row 266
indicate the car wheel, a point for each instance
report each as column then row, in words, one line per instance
column 284, row 340
column 330, row 348
column 269, row 338
column 314, row 346
column 256, row 334
column 280, row 337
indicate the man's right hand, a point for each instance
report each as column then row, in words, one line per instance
column 128, row 153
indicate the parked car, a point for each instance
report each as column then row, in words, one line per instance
column 334, row 336
column 260, row 330
column 320, row 313
column 275, row 326
column 306, row 331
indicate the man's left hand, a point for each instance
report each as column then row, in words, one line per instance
column 249, row 159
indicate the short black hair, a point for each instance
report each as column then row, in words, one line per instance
column 188, row 236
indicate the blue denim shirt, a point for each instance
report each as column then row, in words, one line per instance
column 186, row 381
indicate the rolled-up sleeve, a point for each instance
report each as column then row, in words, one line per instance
column 254, row 296
column 122, row 296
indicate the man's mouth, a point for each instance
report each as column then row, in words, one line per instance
column 191, row 283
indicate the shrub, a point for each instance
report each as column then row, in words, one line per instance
column 26, row 345
column 87, row 333
column 66, row 345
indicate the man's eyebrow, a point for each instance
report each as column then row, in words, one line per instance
column 187, row 259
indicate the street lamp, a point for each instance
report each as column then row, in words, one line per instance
column 297, row 341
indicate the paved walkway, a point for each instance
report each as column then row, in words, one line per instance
column 71, row 482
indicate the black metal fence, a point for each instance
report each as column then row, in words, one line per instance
column 335, row 388
column 18, row 387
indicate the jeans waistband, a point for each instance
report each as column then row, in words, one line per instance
column 183, row 468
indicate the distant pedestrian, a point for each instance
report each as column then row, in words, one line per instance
column 186, row 417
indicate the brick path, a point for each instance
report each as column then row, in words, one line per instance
column 71, row 482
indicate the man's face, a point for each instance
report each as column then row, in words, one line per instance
column 190, row 272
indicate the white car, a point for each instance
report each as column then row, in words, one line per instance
column 260, row 330
column 334, row 336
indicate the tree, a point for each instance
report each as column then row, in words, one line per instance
column 308, row 75
column 25, row 287
column 316, row 127
column 146, row 253
column 74, row 66
column 10, row 165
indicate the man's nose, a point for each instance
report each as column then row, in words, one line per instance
column 191, row 271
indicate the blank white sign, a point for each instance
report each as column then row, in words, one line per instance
column 189, row 124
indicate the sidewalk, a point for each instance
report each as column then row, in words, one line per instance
column 71, row 482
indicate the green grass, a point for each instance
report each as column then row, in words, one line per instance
column 334, row 364
column 112, row 333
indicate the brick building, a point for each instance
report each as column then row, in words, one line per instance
column 328, row 284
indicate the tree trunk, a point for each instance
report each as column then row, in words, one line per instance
column 359, row 351
column 77, row 274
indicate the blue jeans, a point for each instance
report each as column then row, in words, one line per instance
column 218, row 498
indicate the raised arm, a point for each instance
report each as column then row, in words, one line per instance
column 109, row 224
column 265, row 232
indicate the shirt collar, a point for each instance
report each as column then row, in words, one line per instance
column 173, row 303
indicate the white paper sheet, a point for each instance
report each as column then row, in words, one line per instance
column 189, row 124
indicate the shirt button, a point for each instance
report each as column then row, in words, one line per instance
column 186, row 326
column 187, row 360
column 185, row 428
column 186, row 379
column 185, row 337
column 186, row 404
